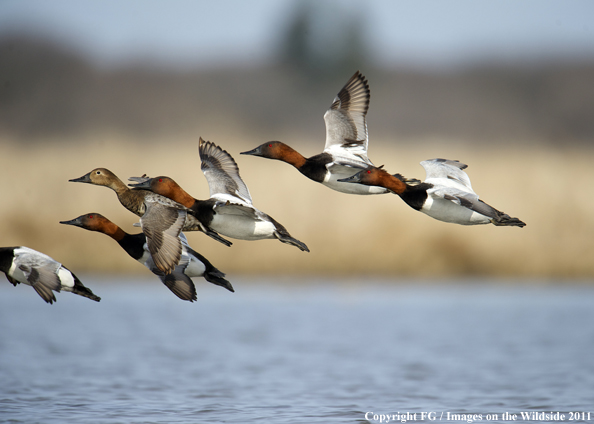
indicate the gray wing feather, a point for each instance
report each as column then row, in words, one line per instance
column 452, row 194
column 448, row 169
column 221, row 172
column 348, row 167
column 228, row 208
column 41, row 272
column 180, row 284
column 468, row 200
column 162, row 223
column 177, row 281
column 479, row 206
column 345, row 120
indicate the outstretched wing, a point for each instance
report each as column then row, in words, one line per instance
column 180, row 284
column 468, row 200
column 228, row 207
column 345, row 120
column 221, row 172
column 447, row 170
column 162, row 223
column 41, row 272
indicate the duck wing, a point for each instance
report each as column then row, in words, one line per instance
column 468, row 200
column 162, row 223
column 41, row 272
column 448, row 171
column 180, row 284
column 344, row 167
column 225, row 206
column 221, row 172
column 346, row 128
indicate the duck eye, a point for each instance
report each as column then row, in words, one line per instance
column 91, row 216
column 369, row 171
column 98, row 172
column 270, row 145
column 160, row 180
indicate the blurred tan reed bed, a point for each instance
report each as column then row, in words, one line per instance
column 348, row 235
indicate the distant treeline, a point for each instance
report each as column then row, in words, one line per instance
column 48, row 90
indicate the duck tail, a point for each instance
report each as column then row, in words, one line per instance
column 217, row 237
column 81, row 290
column 286, row 238
column 283, row 235
column 505, row 220
column 211, row 273
column 217, row 277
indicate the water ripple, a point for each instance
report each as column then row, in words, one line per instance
column 271, row 356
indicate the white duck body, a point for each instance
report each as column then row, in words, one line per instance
column 235, row 216
column 445, row 210
column 27, row 259
column 452, row 199
column 43, row 273
column 237, row 219
column 450, row 185
column 194, row 267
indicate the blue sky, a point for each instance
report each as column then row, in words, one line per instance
column 434, row 33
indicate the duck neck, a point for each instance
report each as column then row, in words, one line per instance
column 113, row 231
column 118, row 186
column 292, row 156
column 179, row 195
column 392, row 183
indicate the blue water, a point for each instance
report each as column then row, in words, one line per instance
column 289, row 352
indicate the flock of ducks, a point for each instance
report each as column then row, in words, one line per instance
column 165, row 209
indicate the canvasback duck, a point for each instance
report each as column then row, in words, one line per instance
column 191, row 263
column 446, row 194
column 229, row 209
column 134, row 200
column 24, row 265
column 345, row 152
column 162, row 224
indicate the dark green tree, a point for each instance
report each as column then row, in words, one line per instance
column 323, row 41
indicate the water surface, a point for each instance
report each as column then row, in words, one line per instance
column 282, row 353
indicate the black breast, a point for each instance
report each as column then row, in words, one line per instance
column 203, row 211
column 133, row 244
column 315, row 167
column 6, row 257
column 415, row 195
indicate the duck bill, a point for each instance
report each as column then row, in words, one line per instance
column 254, row 152
column 84, row 179
column 141, row 182
column 352, row 179
column 76, row 222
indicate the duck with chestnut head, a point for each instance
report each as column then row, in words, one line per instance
column 345, row 152
column 445, row 195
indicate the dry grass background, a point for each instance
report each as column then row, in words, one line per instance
column 548, row 188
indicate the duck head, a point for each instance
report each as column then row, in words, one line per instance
column 98, row 176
